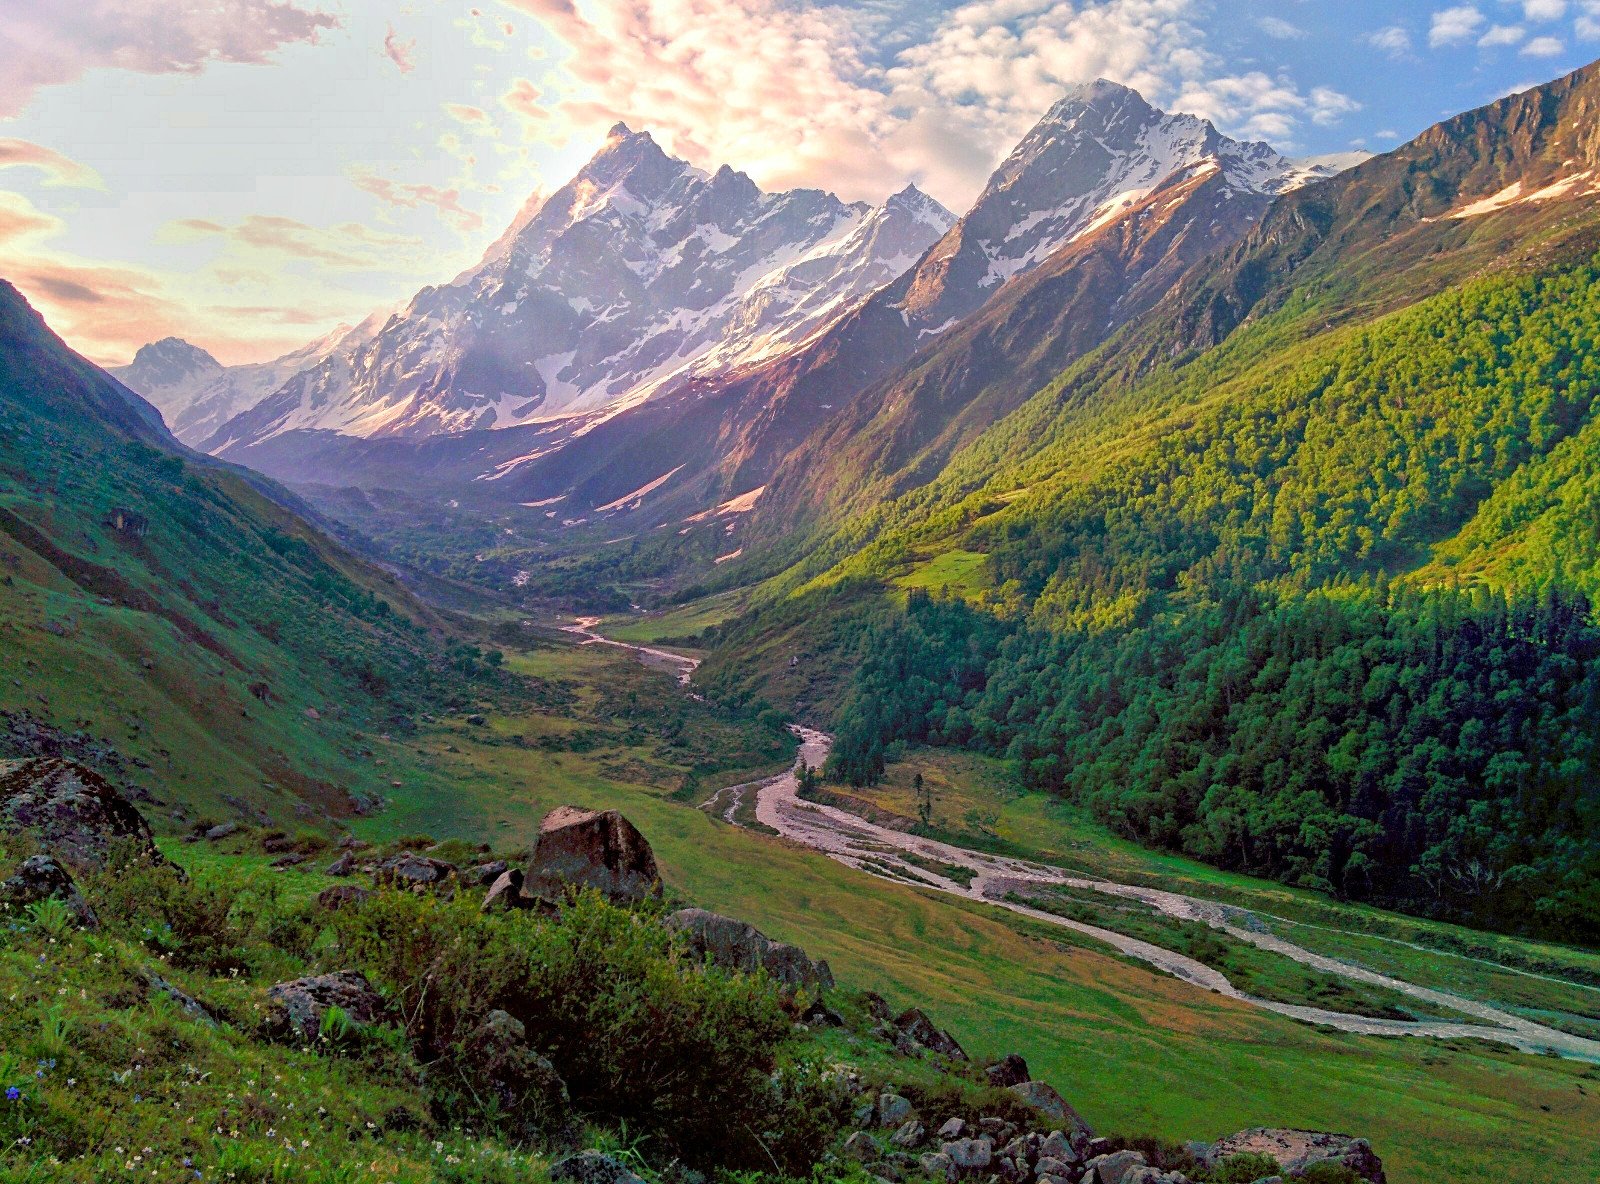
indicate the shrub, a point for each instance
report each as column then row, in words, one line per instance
column 1244, row 1169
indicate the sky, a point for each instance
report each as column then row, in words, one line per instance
column 248, row 174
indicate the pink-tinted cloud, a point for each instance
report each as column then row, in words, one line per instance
column 349, row 247
column 58, row 169
column 52, row 42
column 401, row 53
column 465, row 113
column 412, row 197
column 527, row 100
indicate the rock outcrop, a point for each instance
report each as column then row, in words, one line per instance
column 296, row 1009
column 737, row 946
column 1296, row 1151
column 72, row 812
column 580, row 849
column 918, row 1032
column 41, row 877
column 1009, row 1070
column 416, row 873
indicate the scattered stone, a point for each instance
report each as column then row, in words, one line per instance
column 1296, row 1151
column 497, row 1056
column 911, row 1134
column 1113, row 1168
column 860, row 1146
column 277, row 844
column 893, row 1110
column 296, row 1008
column 313, row 714
column 345, row 865
column 580, row 849
column 819, row 1015
column 591, row 1167
column 41, row 877
column 487, row 873
column 415, row 873
column 939, row 1166
column 1008, row 1071
column 72, row 812
column 1043, row 1099
column 222, row 830
column 918, row 1031
column 351, row 843
column 736, row 946
column 187, row 1003
column 476, row 720
column 340, row 896
column 506, row 893
column 293, row 859
column 970, row 1155
column 954, row 1128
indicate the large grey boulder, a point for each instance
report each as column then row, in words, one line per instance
column 1009, row 1070
column 939, row 1166
column 737, row 946
column 1297, row 1150
column 579, row 849
column 296, row 1008
column 970, row 1155
column 72, row 813
column 1112, row 1168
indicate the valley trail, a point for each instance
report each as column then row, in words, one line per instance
column 901, row 857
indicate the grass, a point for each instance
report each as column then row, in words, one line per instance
column 1125, row 1044
column 965, row 573
column 677, row 623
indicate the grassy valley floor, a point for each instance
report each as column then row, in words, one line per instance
column 1132, row 1049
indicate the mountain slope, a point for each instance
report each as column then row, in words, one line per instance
column 640, row 271
column 164, row 616
column 196, row 394
column 1106, row 200
column 1214, row 592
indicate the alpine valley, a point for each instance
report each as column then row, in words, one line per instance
column 742, row 687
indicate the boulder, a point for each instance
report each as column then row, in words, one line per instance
column 416, row 873
column 953, row 1128
column 736, row 946
column 893, row 1110
column 970, row 1155
column 1112, row 1168
column 1296, row 1151
column 917, row 1031
column 1042, row 1098
column 911, row 1134
column 187, row 1003
column 41, row 877
column 861, row 1147
column 495, row 1056
column 345, row 865
column 1057, row 1145
column 591, row 1167
column 506, row 893
column 579, row 849
column 72, row 812
column 222, row 830
column 1009, row 1070
column 939, row 1166
column 340, row 896
column 487, row 873
column 819, row 1015
column 295, row 1009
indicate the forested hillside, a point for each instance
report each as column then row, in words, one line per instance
column 1294, row 574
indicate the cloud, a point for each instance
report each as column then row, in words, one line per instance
column 19, row 219
column 1502, row 35
column 463, row 113
column 526, row 100
column 1544, row 10
column 1544, row 47
column 1394, row 40
column 276, row 241
column 401, row 53
column 1454, row 26
column 51, row 43
column 1279, row 29
column 58, row 170
column 793, row 93
column 1587, row 26
column 412, row 197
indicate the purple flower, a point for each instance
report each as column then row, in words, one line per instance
column 13, row 1094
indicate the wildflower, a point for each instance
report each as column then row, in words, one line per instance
column 13, row 1094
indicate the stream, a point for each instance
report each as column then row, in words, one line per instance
column 883, row 852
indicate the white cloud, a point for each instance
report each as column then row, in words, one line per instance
column 1454, row 26
column 58, row 170
column 1394, row 40
column 1502, row 35
column 1544, row 10
column 1587, row 26
column 1280, row 29
column 1544, row 47
column 50, row 43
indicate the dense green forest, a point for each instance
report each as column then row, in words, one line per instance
column 1331, row 626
